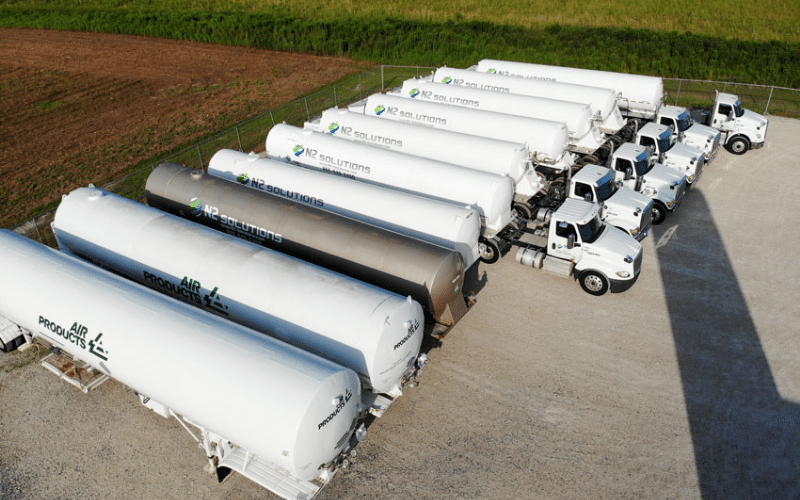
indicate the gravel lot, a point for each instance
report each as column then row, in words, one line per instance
column 686, row 386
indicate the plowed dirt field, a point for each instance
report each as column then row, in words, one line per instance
column 80, row 108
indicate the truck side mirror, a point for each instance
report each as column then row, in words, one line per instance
column 628, row 173
column 588, row 197
column 570, row 241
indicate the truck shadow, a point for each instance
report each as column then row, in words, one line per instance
column 746, row 438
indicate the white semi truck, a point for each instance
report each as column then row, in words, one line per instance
column 573, row 242
column 641, row 96
column 687, row 160
column 635, row 167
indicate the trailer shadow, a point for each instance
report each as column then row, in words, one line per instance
column 746, row 438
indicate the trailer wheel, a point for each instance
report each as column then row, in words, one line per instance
column 659, row 213
column 522, row 210
column 593, row 283
column 738, row 145
column 490, row 250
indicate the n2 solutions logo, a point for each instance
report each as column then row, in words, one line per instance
column 333, row 128
column 242, row 179
column 196, row 206
column 413, row 93
column 380, row 109
column 491, row 71
column 298, row 150
column 447, row 80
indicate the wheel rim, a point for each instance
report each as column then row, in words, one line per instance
column 738, row 146
column 593, row 282
column 657, row 215
column 487, row 251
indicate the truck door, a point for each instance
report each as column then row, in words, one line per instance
column 622, row 165
column 559, row 241
column 722, row 115
column 584, row 191
column 669, row 122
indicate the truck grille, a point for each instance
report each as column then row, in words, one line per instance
column 637, row 263
column 647, row 221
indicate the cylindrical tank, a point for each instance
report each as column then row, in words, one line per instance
column 584, row 136
column 490, row 194
column 602, row 101
column 479, row 153
column 451, row 226
column 266, row 396
column 430, row 274
column 475, row 122
column 369, row 330
column 639, row 95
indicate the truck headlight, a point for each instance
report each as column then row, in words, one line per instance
column 670, row 204
column 623, row 274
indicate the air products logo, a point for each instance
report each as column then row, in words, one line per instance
column 491, row 70
column 195, row 206
column 380, row 109
column 447, row 80
column 333, row 128
column 298, row 150
column 242, row 179
column 414, row 93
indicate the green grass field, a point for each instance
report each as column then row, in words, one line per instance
column 732, row 41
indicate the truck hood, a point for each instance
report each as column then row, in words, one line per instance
column 703, row 137
column 754, row 120
column 614, row 245
column 685, row 159
column 661, row 178
column 628, row 200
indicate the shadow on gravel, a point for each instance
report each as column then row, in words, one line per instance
column 746, row 437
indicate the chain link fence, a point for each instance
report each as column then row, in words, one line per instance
column 251, row 135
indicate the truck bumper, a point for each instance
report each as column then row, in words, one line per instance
column 757, row 145
column 619, row 286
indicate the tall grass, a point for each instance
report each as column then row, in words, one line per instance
column 454, row 43
column 734, row 19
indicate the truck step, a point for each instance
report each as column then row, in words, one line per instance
column 75, row 373
column 269, row 476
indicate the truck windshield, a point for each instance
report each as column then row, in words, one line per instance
column 737, row 108
column 684, row 122
column 665, row 142
column 591, row 230
column 605, row 190
column 642, row 165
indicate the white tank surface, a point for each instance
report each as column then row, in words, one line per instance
column 602, row 101
column 584, row 136
column 445, row 224
column 491, row 194
column 286, row 406
column 475, row 122
column 639, row 95
column 479, row 153
column 376, row 333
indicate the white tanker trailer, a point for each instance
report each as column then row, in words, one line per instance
column 490, row 194
column 639, row 96
column 430, row 274
column 444, row 224
column 584, row 136
column 290, row 418
column 376, row 333
column 602, row 101
column 480, row 153
column 548, row 146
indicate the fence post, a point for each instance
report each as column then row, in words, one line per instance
column 308, row 114
column 360, row 90
column 383, row 84
column 680, row 82
column 771, row 90
column 239, row 138
column 200, row 155
column 335, row 97
column 36, row 225
column 272, row 118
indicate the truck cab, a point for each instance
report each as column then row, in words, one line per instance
column 744, row 130
column 573, row 241
column 620, row 207
column 687, row 160
column 635, row 167
column 685, row 130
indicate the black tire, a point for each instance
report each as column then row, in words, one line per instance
column 659, row 213
column 593, row 283
column 522, row 210
column 738, row 145
column 490, row 251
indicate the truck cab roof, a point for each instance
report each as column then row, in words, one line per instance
column 673, row 111
column 631, row 150
column 593, row 174
column 577, row 211
column 653, row 129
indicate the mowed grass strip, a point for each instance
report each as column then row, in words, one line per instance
column 430, row 42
